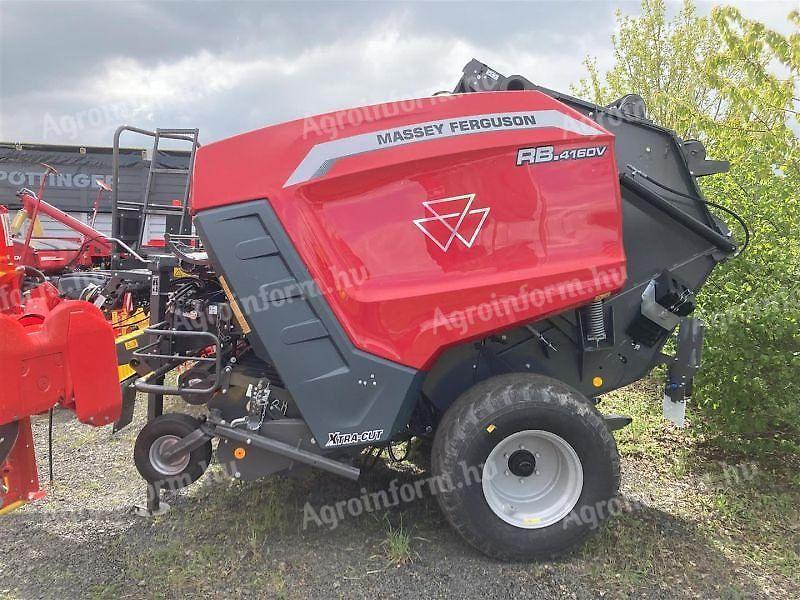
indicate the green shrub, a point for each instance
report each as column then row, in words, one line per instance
column 732, row 83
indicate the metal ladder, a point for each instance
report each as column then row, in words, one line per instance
column 147, row 207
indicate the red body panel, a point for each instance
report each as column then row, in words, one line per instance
column 408, row 276
column 90, row 234
column 66, row 355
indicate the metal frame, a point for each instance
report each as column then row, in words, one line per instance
column 175, row 242
column 173, row 360
column 185, row 227
column 161, row 268
column 215, row 427
column 688, row 221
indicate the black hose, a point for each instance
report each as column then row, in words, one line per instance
column 28, row 269
column 733, row 214
column 191, row 282
column 80, row 250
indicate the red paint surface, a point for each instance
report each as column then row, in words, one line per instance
column 552, row 239
column 19, row 474
column 52, row 351
column 61, row 355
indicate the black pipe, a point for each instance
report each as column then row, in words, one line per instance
column 288, row 451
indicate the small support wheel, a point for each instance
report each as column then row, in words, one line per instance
column 158, row 435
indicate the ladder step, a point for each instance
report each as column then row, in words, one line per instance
column 165, row 207
column 162, row 212
column 125, row 205
column 172, row 171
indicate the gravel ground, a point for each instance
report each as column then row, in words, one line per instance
column 225, row 538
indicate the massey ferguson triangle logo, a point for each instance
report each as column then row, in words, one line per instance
column 452, row 219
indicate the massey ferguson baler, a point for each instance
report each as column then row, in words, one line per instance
column 477, row 268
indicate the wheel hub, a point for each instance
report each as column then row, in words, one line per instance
column 522, row 463
column 168, row 467
column 532, row 479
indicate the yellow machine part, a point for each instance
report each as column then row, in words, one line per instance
column 126, row 345
column 11, row 507
column 19, row 222
column 125, row 322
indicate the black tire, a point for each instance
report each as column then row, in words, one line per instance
column 175, row 425
column 493, row 410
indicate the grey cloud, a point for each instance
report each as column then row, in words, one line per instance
column 56, row 57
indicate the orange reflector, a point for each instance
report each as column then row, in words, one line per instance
column 597, row 381
column 239, row 453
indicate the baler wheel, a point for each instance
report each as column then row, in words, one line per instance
column 527, row 465
column 158, row 435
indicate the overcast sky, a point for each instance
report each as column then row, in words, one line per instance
column 70, row 72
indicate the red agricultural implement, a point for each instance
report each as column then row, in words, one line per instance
column 477, row 268
column 52, row 352
column 86, row 248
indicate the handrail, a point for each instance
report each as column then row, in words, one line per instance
column 141, row 384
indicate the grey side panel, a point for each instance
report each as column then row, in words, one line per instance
column 337, row 388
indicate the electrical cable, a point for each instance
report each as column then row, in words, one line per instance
column 50, row 446
column 131, row 324
column 390, row 448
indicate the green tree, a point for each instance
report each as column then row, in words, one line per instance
column 731, row 83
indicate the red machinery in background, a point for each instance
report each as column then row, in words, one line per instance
column 54, row 254
column 52, row 351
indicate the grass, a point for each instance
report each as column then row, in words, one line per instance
column 397, row 545
column 709, row 517
column 226, row 538
column 105, row 592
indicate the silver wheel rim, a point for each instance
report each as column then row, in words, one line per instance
column 165, row 467
column 545, row 496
